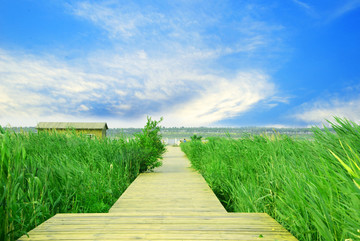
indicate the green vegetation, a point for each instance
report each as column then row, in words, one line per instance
column 310, row 187
column 152, row 147
column 43, row 174
column 195, row 138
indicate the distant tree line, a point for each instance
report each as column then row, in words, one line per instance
column 187, row 132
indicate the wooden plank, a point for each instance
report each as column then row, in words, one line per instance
column 193, row 220
column 160, row 236
column 169, row 214
column 173, row 203
column 174, row 187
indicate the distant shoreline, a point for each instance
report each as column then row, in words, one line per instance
column 186, row 132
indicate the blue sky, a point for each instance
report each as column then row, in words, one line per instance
column 281, row 63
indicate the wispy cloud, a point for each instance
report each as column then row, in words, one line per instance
column 34, row 87
column 345, row 8
column 330, row 11
column 320, row 111
column 159, row 63
column 119, row 22
column 302, row 4
column 132, row 87
column 183, row 24
column 310, row 10
column 223, row 98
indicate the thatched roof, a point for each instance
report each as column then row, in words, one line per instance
column 72, row 125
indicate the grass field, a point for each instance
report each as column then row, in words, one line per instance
column 310, row 186
column 48, row 173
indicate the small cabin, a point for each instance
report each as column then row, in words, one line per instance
column 92, row 129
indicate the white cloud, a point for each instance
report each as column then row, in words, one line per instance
column 320, row 111
column 302, row 4
column 119, row 22
column 158, row 63
column 222, row 98
column 173, row 87
column 37, row 87
column 330, row 11
column 120, row 92
column 83, row 108
column 345, row 8
column 180, row 25
column 124, row 107
column 306, row 7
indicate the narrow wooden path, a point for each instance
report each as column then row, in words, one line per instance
column 172, row 203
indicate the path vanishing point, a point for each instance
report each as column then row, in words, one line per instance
column 172, row 203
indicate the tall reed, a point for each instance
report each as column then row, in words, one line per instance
column 301, row 183
column 44, row 174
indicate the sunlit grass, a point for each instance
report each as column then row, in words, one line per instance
column 310, row 187
column 47, row 173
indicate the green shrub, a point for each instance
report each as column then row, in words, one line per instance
column 152, row 147
column 195, row 138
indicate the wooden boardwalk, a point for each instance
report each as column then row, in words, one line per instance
column 172, row 203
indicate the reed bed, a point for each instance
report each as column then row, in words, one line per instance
column 48, row 173
column 311, row 187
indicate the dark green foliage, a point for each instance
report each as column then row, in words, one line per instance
column 195, row 138
column 2, row 130
column 298, row 182
column 152, row 147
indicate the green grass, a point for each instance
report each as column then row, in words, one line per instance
column 310, row 187
column 44, row 174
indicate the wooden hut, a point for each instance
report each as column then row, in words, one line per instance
column 97, row 129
